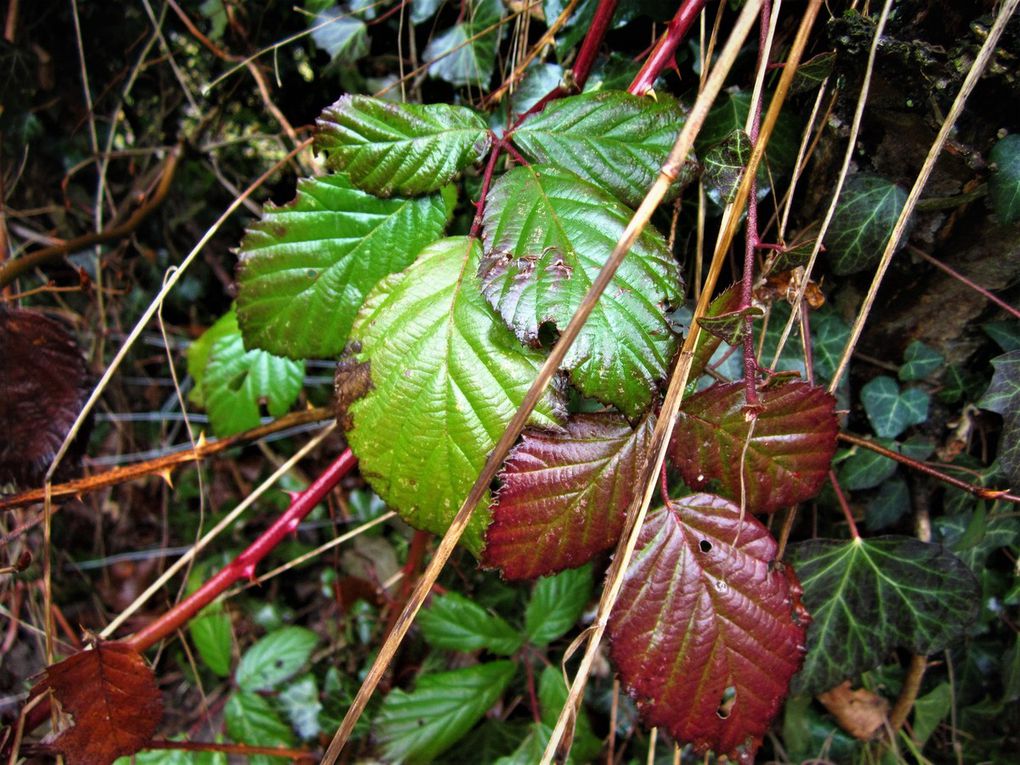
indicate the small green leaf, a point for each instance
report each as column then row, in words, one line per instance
column 887, row 507
column 300, row 701
column 423, row 10
column 730, row 327
column 213, row 636
column 1004, row 185
column 275, row 658
column 730, row 113
column 724, row 165
column 420, row 725
column 609, row 138
column 342, row 36
column 930, row 710
column 391, row 148
column 547, row 235
column 556, row 604
column 811, row 73
column 860, row 228
column 235, row 382
column 465, row 54
column 173, row 757
column 867, row 596
column 890, row 410
column 1005, row 332
column 446, row 377
column 455, row 623
column 198, row 354
column 252, row 720
column 306, row 267
column 865, row 469
column 552, row 695
column 973, row 536
column 920, row 362
column 533, row 747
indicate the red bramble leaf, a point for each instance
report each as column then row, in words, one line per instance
column 708, row 631
column 565, row 495
column 789, row 453
column 111, row 693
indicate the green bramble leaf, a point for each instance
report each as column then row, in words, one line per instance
column 556, row 604
column 552, row 695
column 301, row 702
column 306, row 267
column 890, row 410
column 275, row 658
column 391, row 148
column 547, row 235
column 444, row 378
column 868, row 596
column 252, row 720
column 455, row 623
column 1004, row 184
column 235, row 382
column 465, row 54
column 417, row 727
column 860, row 228
column 610, row 138
column 213, row 636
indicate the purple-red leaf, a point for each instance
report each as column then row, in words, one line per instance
column 42, row 390
column 112, row 695
column 565, row 495
column 708, row 630
column 789, row 452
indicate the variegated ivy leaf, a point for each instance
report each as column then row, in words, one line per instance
column 443, row 379
column 724, row 165
column 707, row 630
column 608, row 137
column 547, row 234
column 390, row 148
column 306, row 267
column 865, row 215
column 1004, row 185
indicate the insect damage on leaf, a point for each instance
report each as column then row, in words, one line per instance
column 352, row 381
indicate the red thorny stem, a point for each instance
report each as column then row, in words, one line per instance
column 844, row 505
column 241, row 567
column 662, row 55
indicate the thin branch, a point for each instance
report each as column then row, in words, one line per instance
column 964, row 280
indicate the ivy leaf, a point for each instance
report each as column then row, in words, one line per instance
column 235, row 382
column 387, row 147
column 1003, row 394
column 811, row 73
column 869, row 596
column 306, row 267
column 43, row 387
column 420, row 725
column 556, row 604
column 275, row 658
column 730, row 327
column 112, row 695
column 865, row 469
column 609, row 138
column 920, row 361
column 342, row 36
column 455, row 623
column 860, row 228
column 252, row 720
column 547, row 235
column 1004, row 183
column 564, row 494
column 789, row 452
column 446, row 377
column 890, row 410
column 730, row 113
column 724, row 165
column 707, row 631
column 465, row 54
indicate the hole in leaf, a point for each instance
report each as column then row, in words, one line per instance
column 548, row 334
column 705, row 546
column 729, row 698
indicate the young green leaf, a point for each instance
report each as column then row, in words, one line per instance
column 547, row 235
column 556, row 604
column 610, row 138
column 455, row 623
column 564, row 494
column 860, row 228
column 236, row 382
column 871, row 595
column 172, row 757
column 252, row 720
column 730, row 327
column 788, row 453
column 213, row 636
column 275, row 658
column 446, row 377
column 306, row 267
column 465, row 54
column 888, row 506
column 392, row 148
column 1004, row 184
column 920, row 361
column 865, row 469
column 725, row 302
column 930, row 710
column 302, row 705
column 730, row 113
column 890, row 410
column 198, row 356
column 707, row 630
column 724, row 165
column 418, row 726
column 811, row 73
column 342, row 36
column 552, row 695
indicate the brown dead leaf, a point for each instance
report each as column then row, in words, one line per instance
column 860, row 712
